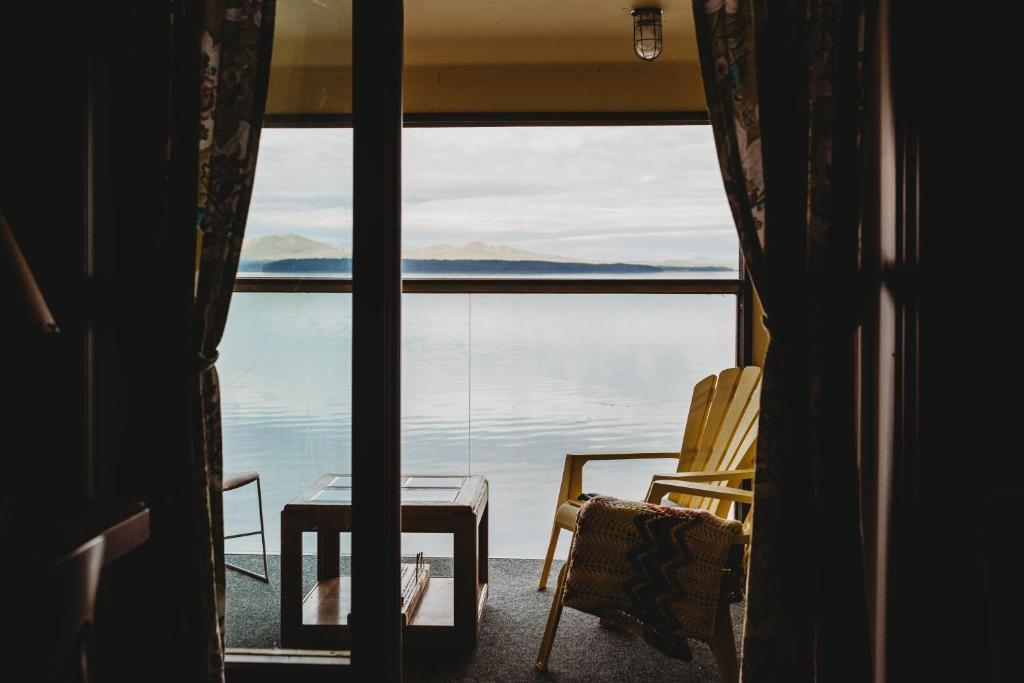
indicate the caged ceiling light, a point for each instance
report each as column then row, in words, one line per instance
column 647, row 33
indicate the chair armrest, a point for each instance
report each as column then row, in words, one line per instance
column 718, row 475
column 572, row 474
column 661, row 487
column 645, row 455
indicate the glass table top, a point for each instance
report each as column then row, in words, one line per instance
column 414, row 489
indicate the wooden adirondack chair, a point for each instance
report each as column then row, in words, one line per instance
column 718, row 446
column 695, row 487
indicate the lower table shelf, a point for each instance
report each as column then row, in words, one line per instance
column 326, row 607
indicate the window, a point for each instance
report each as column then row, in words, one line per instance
column 566, row 288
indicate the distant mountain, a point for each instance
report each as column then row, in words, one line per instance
column 294, row 254
column 481, row 267
column 276, row 247
column 691, row 264
column 481, row 251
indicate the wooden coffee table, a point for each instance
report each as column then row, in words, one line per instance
column 450, row 610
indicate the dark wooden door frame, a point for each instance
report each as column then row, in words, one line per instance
column 376, row 339
column 498, row 119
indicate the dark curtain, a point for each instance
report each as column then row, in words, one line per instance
column 783, row 87
column 235, row 54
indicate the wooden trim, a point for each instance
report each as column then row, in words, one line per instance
column 294, row 285
column 307, row 121
column 457, row 119
column 675, row 118
column 744, row 318
column 376, row 338
column 745, row 351
column 498, row 286
column 557, row 286
column 95, row 173
column 904, row 475
column 246, row 665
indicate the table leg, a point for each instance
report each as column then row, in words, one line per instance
column 481, row 544
column 466, row 580
column 328, row 555
column 291, row 579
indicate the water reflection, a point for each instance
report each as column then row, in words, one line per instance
column 499, row 385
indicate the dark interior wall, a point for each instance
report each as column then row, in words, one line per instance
column 941, row 464
column 83, row 148
column 104, row 210
column 42, row 194
column 87, row 187
column 144, row 239
column 956, row 500
column 143, row 103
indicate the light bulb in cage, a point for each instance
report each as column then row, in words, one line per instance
column 647, row 33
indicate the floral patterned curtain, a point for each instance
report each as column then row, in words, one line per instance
column 235, row 58
column 783, row 88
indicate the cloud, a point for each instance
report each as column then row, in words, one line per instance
column 637, row 193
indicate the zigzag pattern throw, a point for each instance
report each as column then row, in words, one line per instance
column 653, row 569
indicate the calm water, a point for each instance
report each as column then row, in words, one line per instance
column 492, row 384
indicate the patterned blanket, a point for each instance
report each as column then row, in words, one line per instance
column 654, row 570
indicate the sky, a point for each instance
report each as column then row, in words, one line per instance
column 631, row 193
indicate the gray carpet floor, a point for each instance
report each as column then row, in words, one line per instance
column 509, row 636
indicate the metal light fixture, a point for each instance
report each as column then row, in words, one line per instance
column 647, row 32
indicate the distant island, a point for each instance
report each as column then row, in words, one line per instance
column 467, row 267
column 293, row 254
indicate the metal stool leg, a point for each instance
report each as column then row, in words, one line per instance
column 263, row 538
column 265, row 577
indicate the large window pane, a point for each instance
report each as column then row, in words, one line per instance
column 286, row 361
column 561, row 201
column 588, row 201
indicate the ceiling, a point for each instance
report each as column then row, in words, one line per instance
column 315, row 33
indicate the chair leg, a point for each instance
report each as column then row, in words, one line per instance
column 723, row 645
column 265, row 577
column 553, row 616
column 263, row 536
column 552, row 544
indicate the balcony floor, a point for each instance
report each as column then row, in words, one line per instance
column 509, row 637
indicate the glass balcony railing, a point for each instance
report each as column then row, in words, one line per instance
column 501, row 385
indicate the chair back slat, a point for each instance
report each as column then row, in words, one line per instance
column 739, row 428
column 724, row 392
column 721, row 428
column 693, row 432
column 740, row 414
